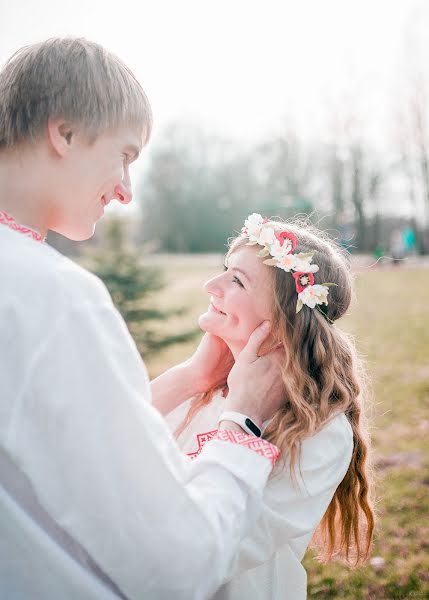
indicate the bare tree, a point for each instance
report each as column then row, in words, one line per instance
column 411, row 122
column 354, row 174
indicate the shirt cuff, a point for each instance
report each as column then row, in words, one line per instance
column 252, row 442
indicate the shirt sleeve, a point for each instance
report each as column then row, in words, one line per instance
column 105, row 466
column 293, row 509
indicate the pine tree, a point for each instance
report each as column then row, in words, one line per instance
column 132, row 285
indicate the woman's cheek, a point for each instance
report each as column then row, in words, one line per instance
column 235, row 328
column 234, row 321
column 243, row 325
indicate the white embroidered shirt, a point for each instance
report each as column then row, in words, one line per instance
column 77, row 425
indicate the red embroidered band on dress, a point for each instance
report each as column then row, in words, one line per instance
column 202, row 439
column 252, row 442
column 9, row 221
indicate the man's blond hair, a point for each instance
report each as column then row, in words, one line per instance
column 70, row 78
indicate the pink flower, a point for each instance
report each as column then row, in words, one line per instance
column 287, row 235
column 303, row 280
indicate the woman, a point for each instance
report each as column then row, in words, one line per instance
column 294, row 276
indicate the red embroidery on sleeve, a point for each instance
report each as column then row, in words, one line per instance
column 202, row 438
column 9, row 221
column 252, row 442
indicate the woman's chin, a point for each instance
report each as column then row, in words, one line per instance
column 208, row 324
column 203, row 323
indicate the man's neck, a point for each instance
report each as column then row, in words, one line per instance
column 24, row 217
column 19, row 193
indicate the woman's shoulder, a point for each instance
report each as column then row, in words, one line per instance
column 332, row 443
column 325, row 456
column 335, row 434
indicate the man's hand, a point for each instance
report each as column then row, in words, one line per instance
column 255, row 382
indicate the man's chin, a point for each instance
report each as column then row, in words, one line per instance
column 75, row 234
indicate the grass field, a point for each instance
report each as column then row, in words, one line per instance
column 390, row 322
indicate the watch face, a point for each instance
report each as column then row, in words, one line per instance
column 253, row 428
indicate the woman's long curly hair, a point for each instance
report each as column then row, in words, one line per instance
column 322, row 375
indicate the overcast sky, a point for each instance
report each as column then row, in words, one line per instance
column 236, row 66
column 240, row 68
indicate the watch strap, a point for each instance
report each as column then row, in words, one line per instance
column 243, row 420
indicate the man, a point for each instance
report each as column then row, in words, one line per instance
column 96, row 501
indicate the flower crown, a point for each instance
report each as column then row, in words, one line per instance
column 279, row 245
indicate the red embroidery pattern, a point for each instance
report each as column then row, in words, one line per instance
column 9, row 221
column 202, row 438
column 252, row 442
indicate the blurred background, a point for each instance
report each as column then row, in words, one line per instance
column 281, row 108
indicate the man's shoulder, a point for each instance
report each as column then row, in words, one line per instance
column 37, row 269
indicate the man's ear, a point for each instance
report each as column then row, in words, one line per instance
column 60, row 136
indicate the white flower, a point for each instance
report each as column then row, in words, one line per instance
column 266, row 236
column 287, row 246
column 278, row 250
column 286, row 262
column 253, row 219
column 314, row 294
column 295, row 262
column 303, row 264
column 253, row 234
column 253, row 226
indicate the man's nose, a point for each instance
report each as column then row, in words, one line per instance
column 123, row 191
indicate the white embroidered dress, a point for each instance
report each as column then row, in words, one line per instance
column 268, row 566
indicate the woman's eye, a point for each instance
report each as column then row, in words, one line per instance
column 235, row 278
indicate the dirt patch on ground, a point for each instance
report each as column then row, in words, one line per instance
column 400, row 459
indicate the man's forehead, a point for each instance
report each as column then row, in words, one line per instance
column 131, row 139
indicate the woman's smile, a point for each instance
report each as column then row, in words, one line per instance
column 212, row 308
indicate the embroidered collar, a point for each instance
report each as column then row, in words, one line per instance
column 6, row 219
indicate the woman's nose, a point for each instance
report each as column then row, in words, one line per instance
column 213, row 287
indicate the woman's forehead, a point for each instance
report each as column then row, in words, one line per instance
column 247, row 259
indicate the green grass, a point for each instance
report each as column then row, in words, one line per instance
column 390, row 322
